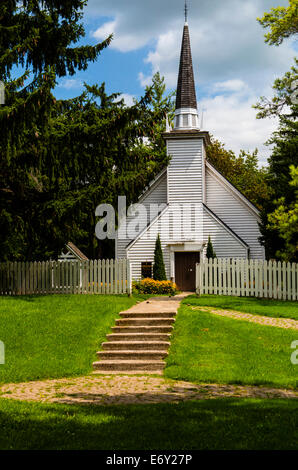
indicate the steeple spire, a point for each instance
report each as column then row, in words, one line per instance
column 186, row 101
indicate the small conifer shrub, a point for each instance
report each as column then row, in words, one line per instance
column 210, row 251
column 159, row 271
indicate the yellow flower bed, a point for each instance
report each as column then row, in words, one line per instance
column 150, row 286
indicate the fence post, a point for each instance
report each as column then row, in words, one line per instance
column 198, row 279
column 129, row 278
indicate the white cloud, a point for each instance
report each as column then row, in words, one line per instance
column 128, row 99
column 105, row 30
column 165, row 57
column 229, row 86
column 232, row 120
column 222, row 53
column 144, row 81
column 70, row 83
column 232, row 64
column 123, row 40
column 227, row 41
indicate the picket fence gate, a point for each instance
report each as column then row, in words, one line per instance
column 249, row 278
column 66, row 277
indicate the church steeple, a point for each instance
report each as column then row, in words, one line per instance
column 186, row 114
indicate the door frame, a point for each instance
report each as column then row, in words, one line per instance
column 184, row 246
column 186, row 265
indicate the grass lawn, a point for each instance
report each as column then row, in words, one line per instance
column 211, row 349
column 205, row 424
column 266, row 307
column 55, row 336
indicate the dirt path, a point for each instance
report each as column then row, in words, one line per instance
column 121, row 389
column 270, row 321
column 159, row 304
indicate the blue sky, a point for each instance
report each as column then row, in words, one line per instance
column 233, row 66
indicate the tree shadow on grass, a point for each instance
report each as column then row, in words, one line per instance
column 205, row 424
column 24, row 298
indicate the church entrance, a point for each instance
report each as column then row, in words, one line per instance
column 185, row 269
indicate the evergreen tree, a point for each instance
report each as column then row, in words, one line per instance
column 210, row 253
column 160, row 101
column 285, row 220
column 37, row 36
column 60, row 159
column 100, row 143
column 159, row 271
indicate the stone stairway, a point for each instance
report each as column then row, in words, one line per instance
column 140, row 340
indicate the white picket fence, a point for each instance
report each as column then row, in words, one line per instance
column 249, row 278
column 66, row 277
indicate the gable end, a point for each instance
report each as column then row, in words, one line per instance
column 228, row 185
column 226, row 227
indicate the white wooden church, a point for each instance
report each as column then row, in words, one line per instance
column 192, row 193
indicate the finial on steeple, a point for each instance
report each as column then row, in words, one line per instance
column 186, row 11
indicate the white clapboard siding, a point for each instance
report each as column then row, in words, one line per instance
column 142, row 249
column 225, row 243
column 231, row 207
column 66, row 277
column 137, row 256
column 156, row 194
column 185, row 182
column 248, row 278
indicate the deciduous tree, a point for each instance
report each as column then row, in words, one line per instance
column 282, row 23
column 242, row 171
column 284, row 106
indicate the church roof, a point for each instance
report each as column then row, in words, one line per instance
column 76, row 251
column 186, row 93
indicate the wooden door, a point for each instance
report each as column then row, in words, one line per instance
column 185, row 269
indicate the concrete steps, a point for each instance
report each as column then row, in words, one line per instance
column 138, row 337
column 142, row 329
column 138, row 343
column 145, row 321
column 133, row 354
column 147, row 315
column 132, row 366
